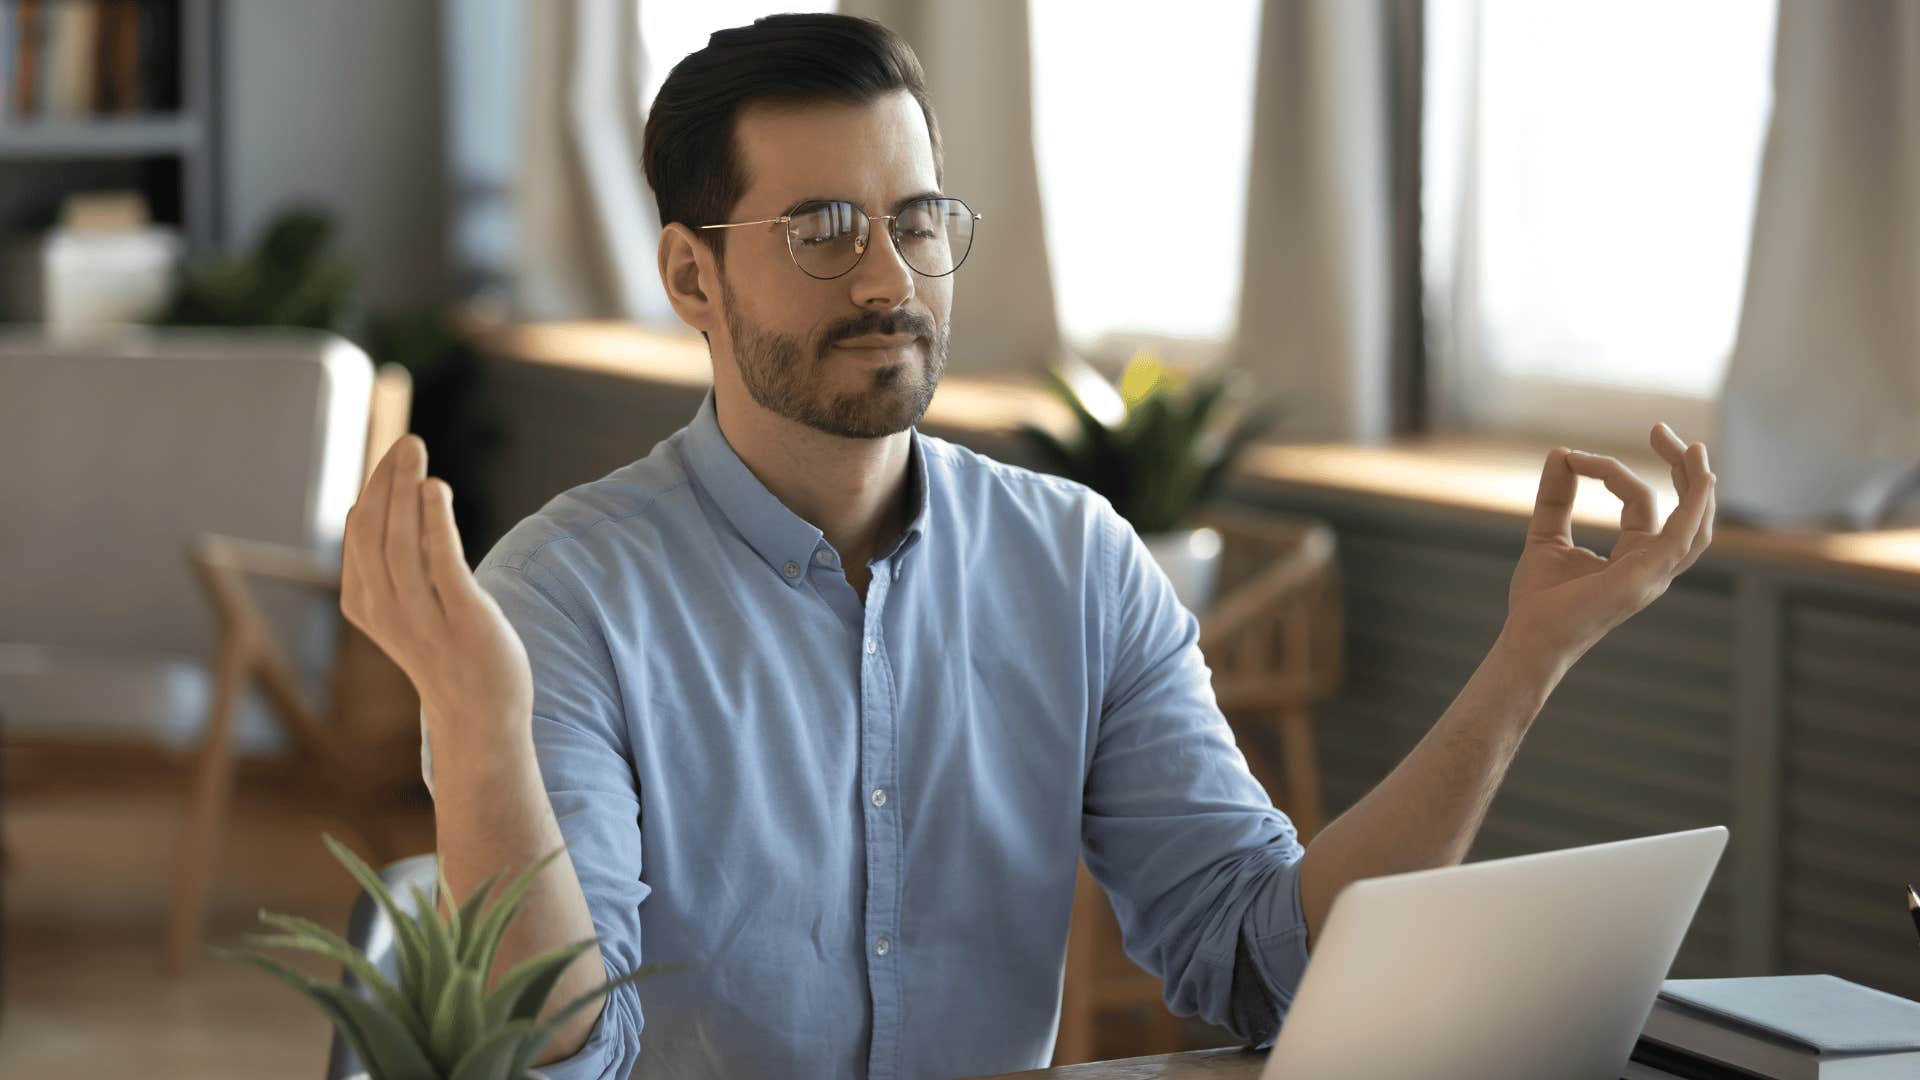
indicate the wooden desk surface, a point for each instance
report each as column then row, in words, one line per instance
column 1482, row 476
column 1228, row 1064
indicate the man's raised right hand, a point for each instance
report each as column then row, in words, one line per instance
column 405, row 584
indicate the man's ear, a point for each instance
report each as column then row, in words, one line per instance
column 691, row 277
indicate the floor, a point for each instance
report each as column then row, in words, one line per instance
column 89, row 849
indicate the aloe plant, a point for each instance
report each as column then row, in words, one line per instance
column 441, row 1022
column 1155, row 446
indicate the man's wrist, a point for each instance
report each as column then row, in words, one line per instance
column 1530, row 661
column 471, row 746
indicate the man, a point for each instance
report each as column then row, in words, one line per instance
column 827, row 709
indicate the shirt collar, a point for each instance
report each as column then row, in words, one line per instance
column 782, row 538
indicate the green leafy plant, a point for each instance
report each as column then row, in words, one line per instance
column 1156, row 447
column 289, row 278
column 441, row 1022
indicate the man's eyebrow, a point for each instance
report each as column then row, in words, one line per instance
column 898, row 203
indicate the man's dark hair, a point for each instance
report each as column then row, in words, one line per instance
column 689, row 152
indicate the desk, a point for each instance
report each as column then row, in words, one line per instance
column 1227, row 1064
column 1231, row 1063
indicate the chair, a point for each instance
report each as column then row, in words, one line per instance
column 123, row 450
column 119, row 451
column 362, row 743
column 370, row 930
column 1274, row 639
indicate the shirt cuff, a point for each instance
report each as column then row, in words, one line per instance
column 1270, row 959
column 608, row 1054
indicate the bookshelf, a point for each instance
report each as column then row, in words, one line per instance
column 141, row 116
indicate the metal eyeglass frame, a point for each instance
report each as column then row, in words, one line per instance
column 860, row 246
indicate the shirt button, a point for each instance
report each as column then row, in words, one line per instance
column 792, row 569
column 823, row 557
column 872, row 646
column 882, row 947
column 879, row 796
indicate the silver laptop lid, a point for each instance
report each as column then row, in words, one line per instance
column 1513, row 969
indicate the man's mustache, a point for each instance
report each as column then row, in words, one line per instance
column 892, row 322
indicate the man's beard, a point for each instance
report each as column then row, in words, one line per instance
column 790, row 380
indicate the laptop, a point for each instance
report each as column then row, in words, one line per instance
column 1541, row 966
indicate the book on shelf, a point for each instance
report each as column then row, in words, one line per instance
column 73, row 60
column 1787, row 1027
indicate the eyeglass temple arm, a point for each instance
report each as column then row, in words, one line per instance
column 744, row 224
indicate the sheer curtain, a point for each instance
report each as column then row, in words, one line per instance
column 1327, row 316
column 1820, row 415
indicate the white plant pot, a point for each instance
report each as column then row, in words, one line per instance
column 1191, row 560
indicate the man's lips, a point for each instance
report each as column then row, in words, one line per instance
column 877, row 341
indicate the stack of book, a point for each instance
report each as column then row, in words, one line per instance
column 1789, row 1027
column 75, row 59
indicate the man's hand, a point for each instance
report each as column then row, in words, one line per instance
column 405, row 584
column 1565, row 598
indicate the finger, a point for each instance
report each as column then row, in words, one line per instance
column 1704, row 538
column 446, row 560
column 1673, row 450
column 1638, row 507
column 405, row 566
column 1683, row 525
column 367, row 530
column 1553, row 505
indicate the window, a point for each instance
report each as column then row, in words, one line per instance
column 1589, row 185
column 1142, row 123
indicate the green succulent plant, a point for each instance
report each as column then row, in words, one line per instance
column 441, row 1022
column 1155, row 446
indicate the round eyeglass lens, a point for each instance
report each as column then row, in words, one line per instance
column 827, row 237
column 933, row 236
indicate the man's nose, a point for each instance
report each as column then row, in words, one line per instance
column 882, row 278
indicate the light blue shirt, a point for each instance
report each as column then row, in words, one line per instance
column 860, row 822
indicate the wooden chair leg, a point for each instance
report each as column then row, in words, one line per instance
column 1075, row 1042
column 212, row 788
column 1302, row 766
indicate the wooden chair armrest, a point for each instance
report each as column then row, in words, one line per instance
column 1304, row 557
column 257, row 558
column 224, row 565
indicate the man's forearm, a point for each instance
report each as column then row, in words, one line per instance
column 1429, row 808
column 492, row 815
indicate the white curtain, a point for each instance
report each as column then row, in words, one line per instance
column 1820, row 412
column 585, row 218
column 1323, row 319
column 977, row 63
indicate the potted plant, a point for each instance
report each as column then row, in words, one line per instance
column 440, row 1022
column 1157, row 446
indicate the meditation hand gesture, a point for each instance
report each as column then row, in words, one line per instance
column 1565, row 598
column 405, row 584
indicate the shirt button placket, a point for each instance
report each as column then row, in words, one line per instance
column 878, row 737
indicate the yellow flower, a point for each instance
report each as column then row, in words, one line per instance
column 1143, row 377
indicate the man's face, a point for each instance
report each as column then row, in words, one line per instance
column 857, row 355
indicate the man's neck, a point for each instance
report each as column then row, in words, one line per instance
column 853, row 490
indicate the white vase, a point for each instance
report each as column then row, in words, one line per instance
column 1191, row 560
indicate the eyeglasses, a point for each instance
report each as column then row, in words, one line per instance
column 827, row 237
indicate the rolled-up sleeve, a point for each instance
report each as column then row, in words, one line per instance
column 580, row 739
column 1202, row 870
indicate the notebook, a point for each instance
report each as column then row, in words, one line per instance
column 1791, row 1027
